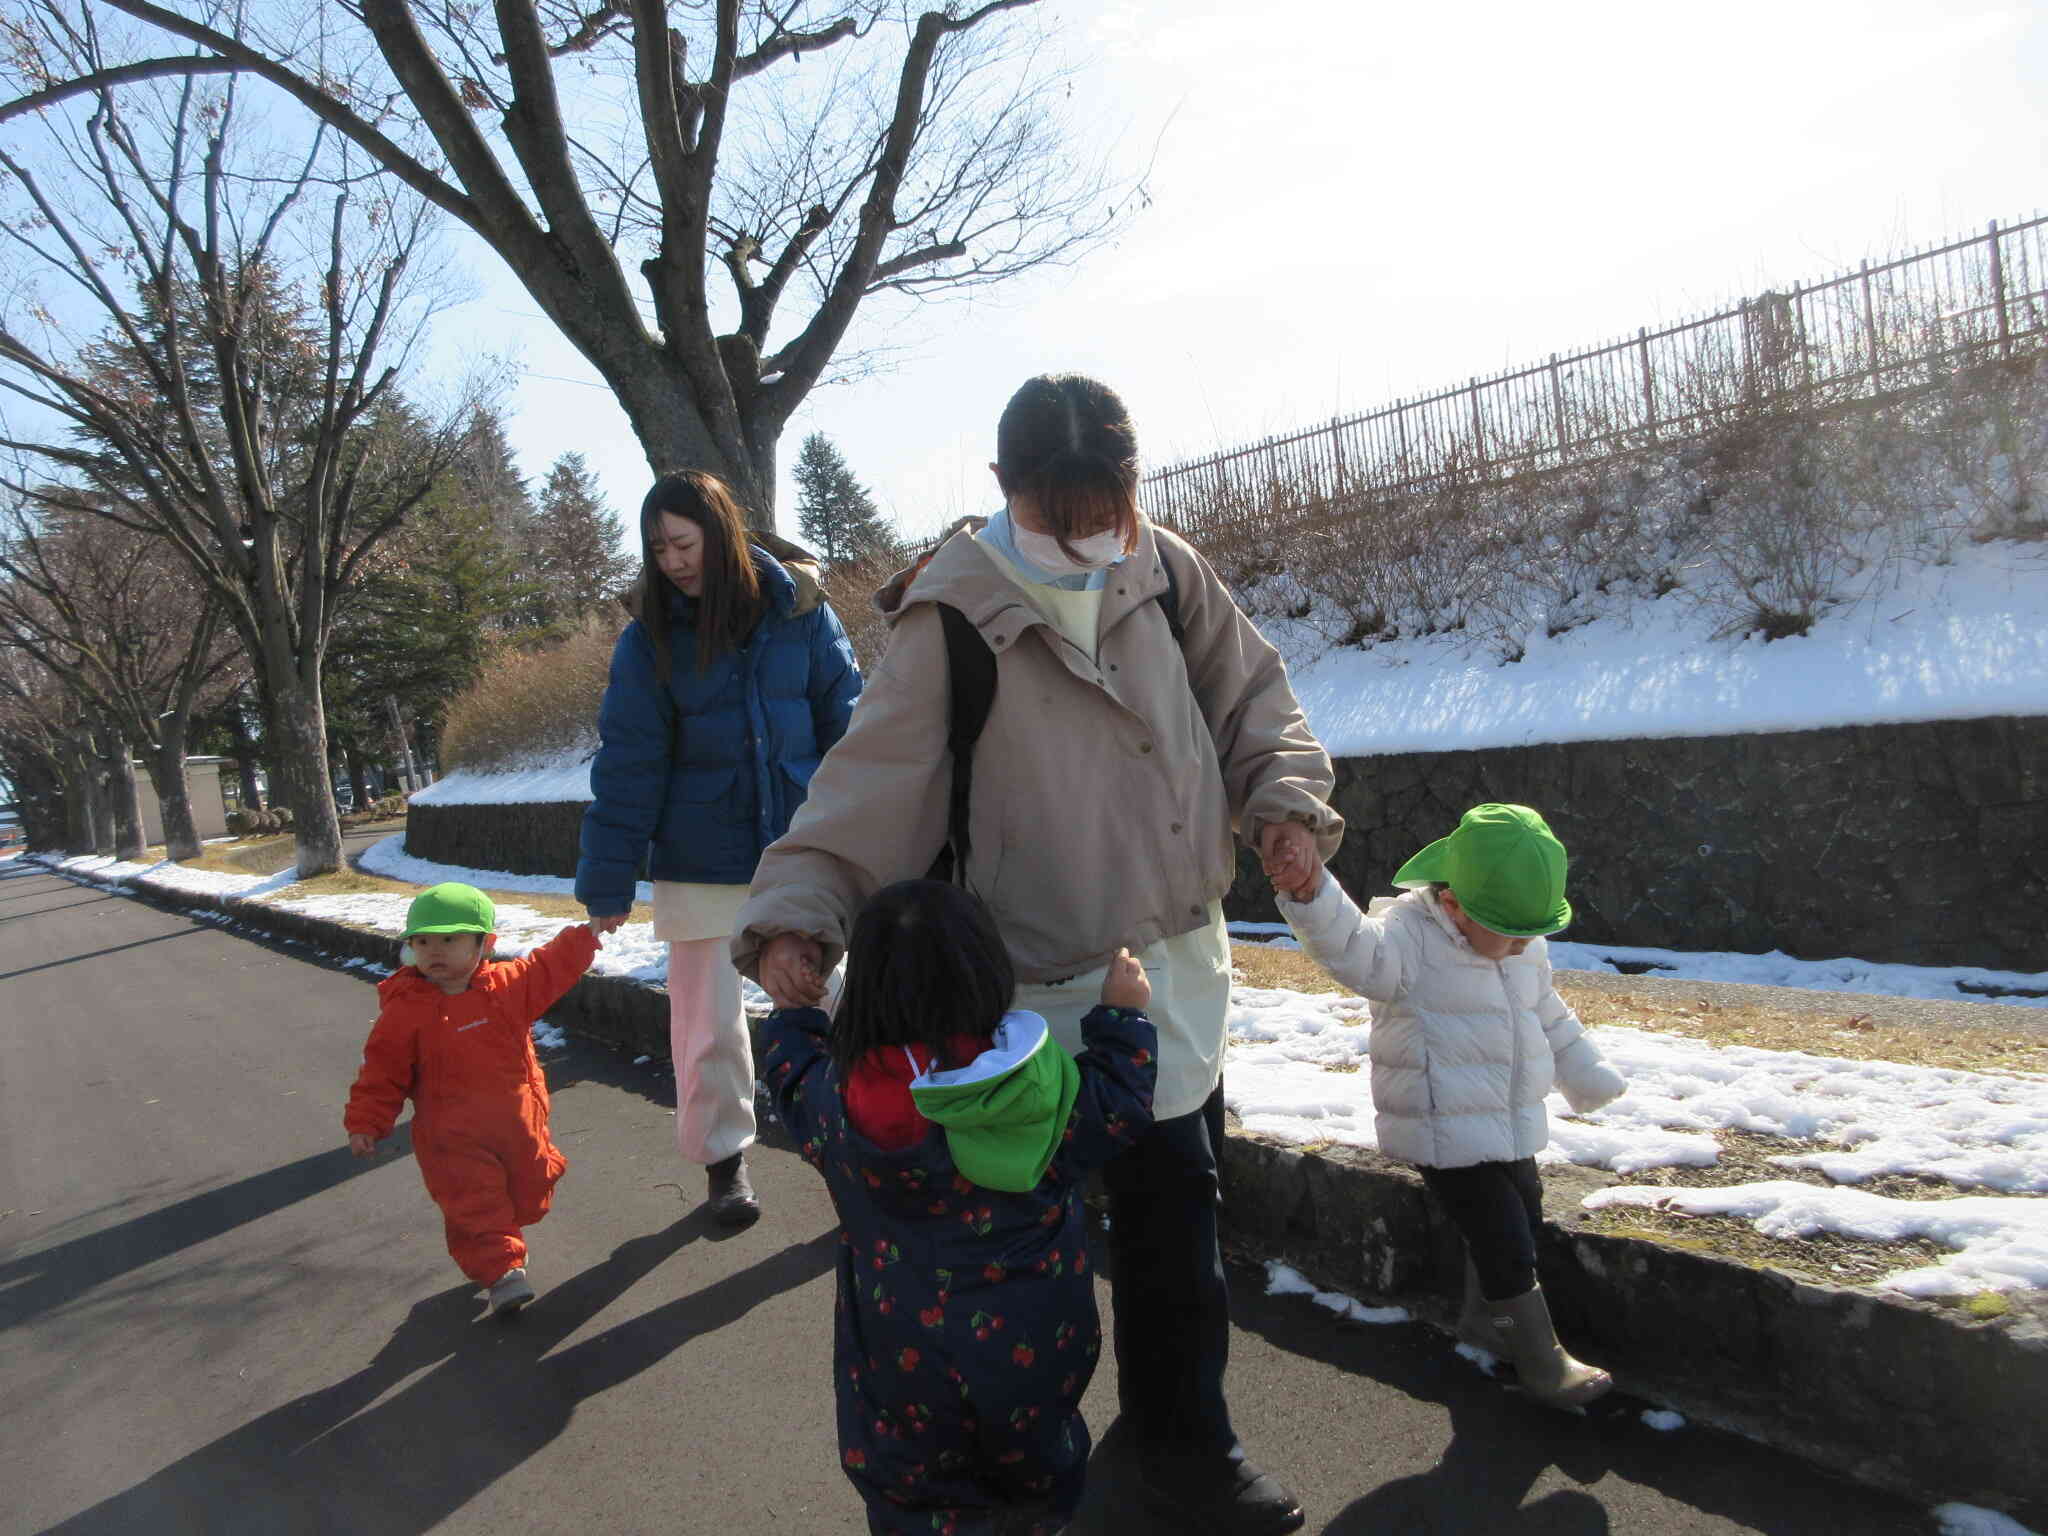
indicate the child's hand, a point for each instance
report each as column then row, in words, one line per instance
column 792, row 971
column 361, row 1144
column 1287, row 853
column 610, row 924
column 1126, row 985
column 1303, row 887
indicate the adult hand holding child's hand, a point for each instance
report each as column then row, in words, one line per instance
column 1126, row 985
column 793, row 971
column 362, row 1145
column 1288, row 854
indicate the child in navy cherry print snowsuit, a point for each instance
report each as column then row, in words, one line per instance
column 956, row 1137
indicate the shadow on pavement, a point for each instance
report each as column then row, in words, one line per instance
column 36, row 1282
column 1501, row 1444
column 15, row 917
column 348, row 1459
column 112, row 949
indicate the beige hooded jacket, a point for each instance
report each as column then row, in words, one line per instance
column 1105, row 790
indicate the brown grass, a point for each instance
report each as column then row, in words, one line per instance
column 355, row 882
column 1847, row 1034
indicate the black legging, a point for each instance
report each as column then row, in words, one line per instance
column 1498, row 1207
column 1166, row 1279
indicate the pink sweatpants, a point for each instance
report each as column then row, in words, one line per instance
column 714, row 1060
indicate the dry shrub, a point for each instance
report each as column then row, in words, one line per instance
column 850, row 587
column 529, row 706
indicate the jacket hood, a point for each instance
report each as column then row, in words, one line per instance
column 963, row 575
column 1004, row 1113
column 794, row 584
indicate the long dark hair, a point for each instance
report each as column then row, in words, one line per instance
column 730, row 604
column 924, row 963
column 1066, row 445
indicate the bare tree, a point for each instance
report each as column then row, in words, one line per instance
column 126, row 628
column 45, row 742
column 833, row 149
column 197, row 343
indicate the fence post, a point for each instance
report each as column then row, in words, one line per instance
column 1343, row 486
column 1649, row 381
column 1557, row 405
column 1869, row 322
column 1478, row 427
column 1998, row 294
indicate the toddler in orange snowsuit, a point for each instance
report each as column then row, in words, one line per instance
column 454, row 1034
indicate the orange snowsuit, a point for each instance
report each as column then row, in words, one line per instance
column 480, row 1101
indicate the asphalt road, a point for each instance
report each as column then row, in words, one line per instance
column 213, row 1320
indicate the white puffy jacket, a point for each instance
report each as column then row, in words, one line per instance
column 1463, row 1048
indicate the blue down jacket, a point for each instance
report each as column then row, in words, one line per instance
column 710, row 768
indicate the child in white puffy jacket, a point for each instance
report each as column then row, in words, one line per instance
column 1468, row 1036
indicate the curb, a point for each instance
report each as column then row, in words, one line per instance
column 1924, row 1401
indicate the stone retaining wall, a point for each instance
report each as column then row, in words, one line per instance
column 1915, row 844
column 531, row 839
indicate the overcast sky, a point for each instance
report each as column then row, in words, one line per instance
column 1372, row 201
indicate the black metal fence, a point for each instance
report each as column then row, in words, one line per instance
column 1895, row 325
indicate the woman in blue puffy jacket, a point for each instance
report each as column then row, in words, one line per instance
column 726, row 690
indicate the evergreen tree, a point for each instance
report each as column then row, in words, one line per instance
column 490, row 479
column 574, row 546
column 833, row 509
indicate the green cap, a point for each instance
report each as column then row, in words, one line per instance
column 1005, row 1112
column 1505, row 866
column 450, row 908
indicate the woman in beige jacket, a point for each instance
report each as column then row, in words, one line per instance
column 1117, row 761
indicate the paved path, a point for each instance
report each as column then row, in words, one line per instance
column 213, row 1320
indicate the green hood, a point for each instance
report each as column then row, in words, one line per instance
column 1006, row 1111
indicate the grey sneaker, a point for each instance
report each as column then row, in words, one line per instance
column 510, row 1293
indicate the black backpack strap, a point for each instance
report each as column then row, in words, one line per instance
column 971, row 690
column 1169, row 602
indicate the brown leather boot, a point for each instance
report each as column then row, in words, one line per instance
column 1546, row 1372
column 731, row 1193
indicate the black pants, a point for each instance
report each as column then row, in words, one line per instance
column 1172, row 1331
column 1498, row 1207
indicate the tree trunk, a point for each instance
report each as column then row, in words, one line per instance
column 99, row 801
column 131, row 839
column 298, row 728
column 358, row 779
column 245, row 757
column 75, row 772
column 174, row 795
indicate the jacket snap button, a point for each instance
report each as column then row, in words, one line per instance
column 1176, row 827
column 1144, row 746
column 1194, row 911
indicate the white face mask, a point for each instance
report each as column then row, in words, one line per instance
column 1097, row 552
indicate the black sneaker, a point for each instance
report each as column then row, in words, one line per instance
column 731, row 1193
column 1226, row 1498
